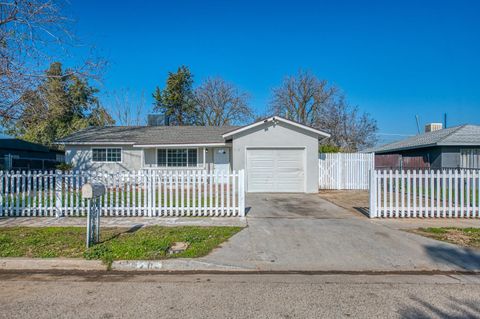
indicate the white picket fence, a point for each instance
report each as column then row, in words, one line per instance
column 149, row 193
column 345, row 170
column 435, row 193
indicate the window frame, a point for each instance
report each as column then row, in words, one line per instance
column 106, row 154
column 176, row 148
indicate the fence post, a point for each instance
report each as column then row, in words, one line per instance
column 3, row 193
column 58, row 193
column 241, row 193
column 373, row 194
column 151, row 192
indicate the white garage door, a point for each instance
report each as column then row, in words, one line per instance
column 275, row 170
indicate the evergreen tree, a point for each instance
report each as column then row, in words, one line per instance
column 62, row 104
column 175, row 101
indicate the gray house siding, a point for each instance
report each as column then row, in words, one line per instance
column 451, row 155
column 279, row 135
column 80, row 156
column 439, row 157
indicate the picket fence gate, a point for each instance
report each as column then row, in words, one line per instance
column 429, row 193
column 345, row 170
column 148, row 193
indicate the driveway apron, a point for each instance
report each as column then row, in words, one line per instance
column 307, row 233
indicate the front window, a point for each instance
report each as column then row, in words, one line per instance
column 177, row 157
column 107, row 155
column 470, row 158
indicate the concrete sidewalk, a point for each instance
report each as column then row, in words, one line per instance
column 122, row 221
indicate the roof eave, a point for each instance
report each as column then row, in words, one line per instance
column 273, row 118
column 94, row 143
column 459, row 144
column 404, row 148
column 208, row 144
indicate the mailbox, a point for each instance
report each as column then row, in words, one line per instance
column 92, row 190
column 92, row 193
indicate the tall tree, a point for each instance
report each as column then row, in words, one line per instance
column 311, row 101
column 221, row 103
column 62, row 104
column 33, row 33
column 175, row 101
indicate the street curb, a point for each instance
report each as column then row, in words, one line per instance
column 21, row 263
column 190, row 266
column 173, row 265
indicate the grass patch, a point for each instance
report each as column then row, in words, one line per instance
column 467, row 237
column 150, row 243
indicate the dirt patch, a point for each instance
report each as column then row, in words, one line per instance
column 354, row 200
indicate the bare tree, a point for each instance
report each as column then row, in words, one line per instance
column 350, row 129
column 129, row 110
column 306, row 99
column 221, row 103
column 302, row 97
column 33, row 33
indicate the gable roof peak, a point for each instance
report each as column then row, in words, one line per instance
column 275, row 118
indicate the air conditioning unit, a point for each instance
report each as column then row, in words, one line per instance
column 156, row 120
column 433, row 127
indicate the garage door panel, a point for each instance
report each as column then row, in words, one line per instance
column 275, row 170
column 263, row 164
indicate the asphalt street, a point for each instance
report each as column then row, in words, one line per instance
column 122, row 295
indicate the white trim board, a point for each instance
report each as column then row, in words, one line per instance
column 275, row 118
column 181, row 145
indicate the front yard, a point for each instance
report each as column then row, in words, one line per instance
column 152, row 242
column 467, row 237
column 356, row 201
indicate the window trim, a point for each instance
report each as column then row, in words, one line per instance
column 176, row 148
column 107, row 147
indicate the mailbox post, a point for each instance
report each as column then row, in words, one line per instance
column 92, row 193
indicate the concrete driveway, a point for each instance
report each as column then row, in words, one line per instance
column 306, row 232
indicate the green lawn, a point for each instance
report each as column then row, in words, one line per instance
column 467, row 237
column 151, row 242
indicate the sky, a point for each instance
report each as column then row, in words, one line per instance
column 393, row 59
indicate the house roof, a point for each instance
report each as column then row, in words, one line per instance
column 275, row 118
column 148, row 135
column 21, row 145
column 463, row 135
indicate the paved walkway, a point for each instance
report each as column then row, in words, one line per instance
column 306, row 232
column 122, row 221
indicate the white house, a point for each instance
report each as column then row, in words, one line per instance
column 278, row 155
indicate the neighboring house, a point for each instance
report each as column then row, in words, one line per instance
column 16, row 154
column 454, row 147
column 277, row 154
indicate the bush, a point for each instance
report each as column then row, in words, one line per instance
column 328, row 148
column 64, row 166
